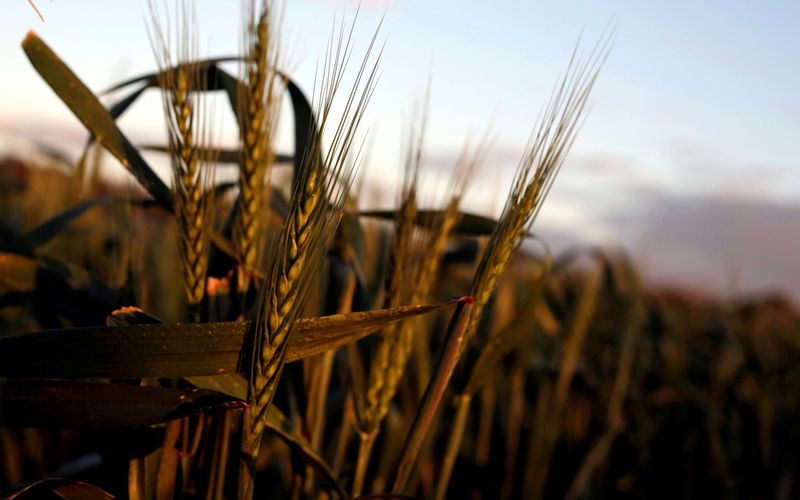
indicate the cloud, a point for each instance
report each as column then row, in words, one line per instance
column 713, row 224
column 699, row 167
column 709, row 222
column 604, row 164
column 792, row 108
column 720, row 244
column 498, row 156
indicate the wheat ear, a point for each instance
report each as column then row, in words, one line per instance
column 383, row 368
column 191, row 169
column 260, row 108
column 315, row 211
column 547, row 148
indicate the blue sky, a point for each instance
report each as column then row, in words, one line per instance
column 697, row 106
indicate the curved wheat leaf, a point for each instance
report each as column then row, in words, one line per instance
column 94, row 116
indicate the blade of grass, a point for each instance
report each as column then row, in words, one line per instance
column 306, row 130
column 232, row 384
column 47, row 230
column 57, row 289
column 94, row 116
column 18, row 272
column 177, row 350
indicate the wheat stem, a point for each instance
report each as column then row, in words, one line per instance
column 365, row 444
column 456, row 334
column 462, row 403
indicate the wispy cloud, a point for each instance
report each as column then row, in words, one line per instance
column 722, row 230
column 701, row 168
column 719, row 242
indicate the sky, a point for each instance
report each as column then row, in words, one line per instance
column 688, row 158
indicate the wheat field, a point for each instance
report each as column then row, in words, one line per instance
column 266, row 337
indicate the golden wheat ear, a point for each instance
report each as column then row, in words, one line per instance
column 548, row 146
column 188, row 133
column 315, row 210
column 260, row 105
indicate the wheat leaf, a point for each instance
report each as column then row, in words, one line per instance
column 45, row 231
column 59, row 289
column 118, row 108
column 232, row 384
column 94, row 116
column 67, row 403
column 57, row 488
column 130, row 315
column 17, row 272
column 177, row 350
column 305, row 128
column 152, row 79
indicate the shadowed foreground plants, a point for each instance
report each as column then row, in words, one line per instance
column 210, row 339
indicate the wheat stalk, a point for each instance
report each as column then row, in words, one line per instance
column 315, row 210
column 385, row 369
column 553, row 136
column 547, row 431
